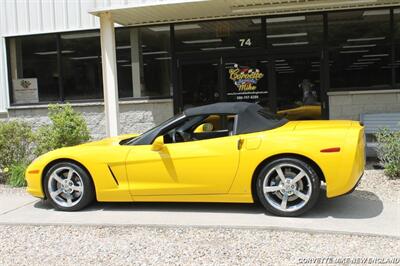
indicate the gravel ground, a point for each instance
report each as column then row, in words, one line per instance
column 7, row 190
column 375, row 185
column 66, row 245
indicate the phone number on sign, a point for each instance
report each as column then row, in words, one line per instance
column 247, row 97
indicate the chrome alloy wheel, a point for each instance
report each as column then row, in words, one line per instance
column 65, row 186
column 287, row 187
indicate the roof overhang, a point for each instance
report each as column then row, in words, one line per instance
column 172, row 11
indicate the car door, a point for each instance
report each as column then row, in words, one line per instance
column 205, row 166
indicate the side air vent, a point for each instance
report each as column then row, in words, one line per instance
column 112, row 173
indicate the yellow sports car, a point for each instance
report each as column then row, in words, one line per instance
column 223, row 152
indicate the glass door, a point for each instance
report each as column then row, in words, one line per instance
column 199, row 82
column 294, row 45
column 298, row 86
column 246, row 80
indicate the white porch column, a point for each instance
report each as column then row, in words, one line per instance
column 4, row 97
column 109, row 67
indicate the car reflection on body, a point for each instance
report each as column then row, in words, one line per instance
column 302, row 112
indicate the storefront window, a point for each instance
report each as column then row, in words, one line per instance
column 143, row 62
column 359, row 43
column 225, row 60
column 214, row 36
column 294, row 32
column 81, row 66
column 143, row 65
column 124, row 67
column 33, row 68
column 296, row 43
column 298, row 87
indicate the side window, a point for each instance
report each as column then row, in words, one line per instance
column 212, row 123
column 214, row 126
column 202, row 127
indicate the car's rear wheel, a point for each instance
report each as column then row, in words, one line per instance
column 68, row 187
column 288, row 187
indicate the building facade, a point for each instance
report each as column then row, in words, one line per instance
column 321, row 61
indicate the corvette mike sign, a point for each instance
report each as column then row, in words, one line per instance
column 245, row 80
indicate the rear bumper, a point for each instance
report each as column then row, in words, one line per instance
column 352, row 164
column 352, row 189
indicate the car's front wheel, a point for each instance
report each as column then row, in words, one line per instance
column 288, row 187
column 68, row 187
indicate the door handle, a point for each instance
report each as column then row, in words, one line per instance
column 240, row 144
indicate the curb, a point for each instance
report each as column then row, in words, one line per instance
column 241, row 227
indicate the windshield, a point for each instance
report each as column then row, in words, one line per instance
column 153, row 130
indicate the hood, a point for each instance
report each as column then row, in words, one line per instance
column 110, row 141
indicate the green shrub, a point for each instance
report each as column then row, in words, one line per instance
column 389, row 151
column 16, row 175
column 67, row 128
column 16, row 143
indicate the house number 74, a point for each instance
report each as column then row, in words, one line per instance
column 245, row 42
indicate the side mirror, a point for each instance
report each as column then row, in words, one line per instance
column 158, row 143
column 206, row 127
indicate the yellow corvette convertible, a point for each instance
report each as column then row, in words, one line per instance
column 223, row 152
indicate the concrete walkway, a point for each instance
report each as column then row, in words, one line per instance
column 348, row 214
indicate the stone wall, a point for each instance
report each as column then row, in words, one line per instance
column 350, row 104
column 135, row 116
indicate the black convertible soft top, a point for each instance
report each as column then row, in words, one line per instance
column 251, row 117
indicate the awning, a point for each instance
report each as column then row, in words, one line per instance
column 171, row 11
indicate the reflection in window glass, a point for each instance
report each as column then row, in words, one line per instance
column 295, row 32
column 33, row 68
column 296, row 42
column 81, row 65
column 124, row 67
column 218, row 35
column 359, row 49
column 298, row 87
column 143, row 62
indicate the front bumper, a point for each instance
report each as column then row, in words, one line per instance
column 33, row 179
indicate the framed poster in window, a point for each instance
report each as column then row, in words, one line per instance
column 25, row 90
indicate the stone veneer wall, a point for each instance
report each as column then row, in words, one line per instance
column 135, row 116
column 350, row 104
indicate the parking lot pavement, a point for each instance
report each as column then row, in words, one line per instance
column 10, row 203
column 348, row 214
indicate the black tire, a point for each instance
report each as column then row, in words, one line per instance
column 311, row 182
column 87, row 195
